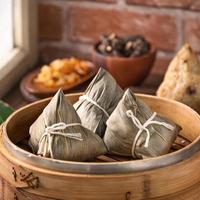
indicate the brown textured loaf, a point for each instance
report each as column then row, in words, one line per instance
column 182, row 79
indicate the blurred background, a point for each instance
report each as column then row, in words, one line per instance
column 71, row 27
column 40, row 31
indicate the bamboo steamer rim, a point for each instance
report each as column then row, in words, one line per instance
column 22, row 157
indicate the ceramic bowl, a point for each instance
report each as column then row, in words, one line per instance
column 128, row 71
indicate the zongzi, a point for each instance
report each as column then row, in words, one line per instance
column 58, row 133
column 134, row 129
column 100, row 99
column 182, row 78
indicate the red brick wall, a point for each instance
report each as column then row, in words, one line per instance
column 71, row 27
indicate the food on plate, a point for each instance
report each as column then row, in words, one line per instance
column 62, row 72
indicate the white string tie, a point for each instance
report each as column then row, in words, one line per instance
column 56, row 129
column 143, row 127
column 85, row 97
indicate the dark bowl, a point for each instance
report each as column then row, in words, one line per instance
column 128, row 71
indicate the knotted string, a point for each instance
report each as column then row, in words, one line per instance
column 143, row 127
column 56, row 129
column 85, row 97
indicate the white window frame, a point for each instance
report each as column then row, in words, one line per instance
column 24, row 54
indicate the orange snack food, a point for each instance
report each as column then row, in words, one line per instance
column 62, row 72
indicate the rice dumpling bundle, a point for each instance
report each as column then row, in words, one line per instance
column 182, row 78
column 100, row 99
column 133, row 129
column 58, row 133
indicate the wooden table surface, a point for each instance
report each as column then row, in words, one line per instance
column 149, row 86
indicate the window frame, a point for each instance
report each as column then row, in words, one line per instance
column 25, row 52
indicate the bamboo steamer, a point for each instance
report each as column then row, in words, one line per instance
column 172, row 176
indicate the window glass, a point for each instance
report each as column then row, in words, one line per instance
column 6, row 27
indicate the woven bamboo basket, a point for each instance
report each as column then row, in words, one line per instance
column 172, row 176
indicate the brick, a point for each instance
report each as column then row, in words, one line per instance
column 103, row 1
column 196, row 5
column 161, row 64
column 191, row 31
column 50, row 22
column 156, row 75
column 163, row 3
column 87, row 24
column 49, row 53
